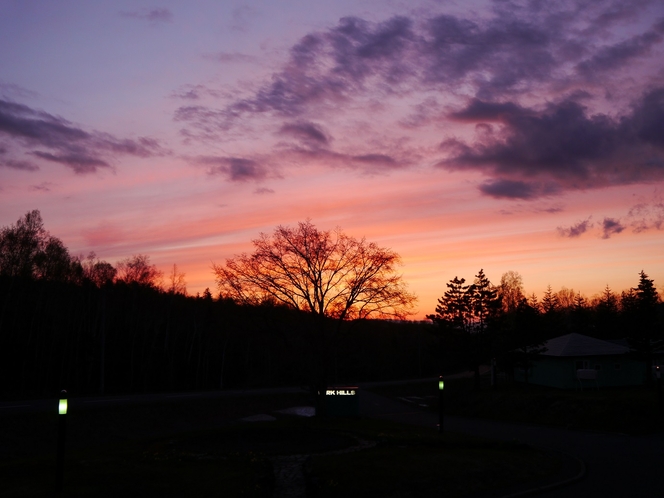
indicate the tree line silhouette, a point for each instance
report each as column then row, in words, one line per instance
column 93, row 327
column 479, row 322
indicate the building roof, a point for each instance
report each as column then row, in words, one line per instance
column 581, row 345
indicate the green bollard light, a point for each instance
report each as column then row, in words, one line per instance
column 441, row 403
column 62, row 407
column 62, row 429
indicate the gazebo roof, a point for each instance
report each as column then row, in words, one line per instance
column 582, row 345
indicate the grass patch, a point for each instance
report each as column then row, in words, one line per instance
column 416, row 462
column 110, row 449
column 630, row 410
column 34, row 434
column 234, row 459
column 154, row 468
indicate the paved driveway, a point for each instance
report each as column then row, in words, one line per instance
column 616, row 465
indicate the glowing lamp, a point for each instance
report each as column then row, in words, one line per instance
column 62, row 429
column 62, row 407
column 441, row 404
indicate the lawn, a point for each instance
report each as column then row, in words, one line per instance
column 411, row 461
column 199, row 449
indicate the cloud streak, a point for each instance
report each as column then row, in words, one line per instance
column 307, row 132
column 645, row 216
column 229, row 57
column 18, row 165
column 619, row 54
column 156, row 15
column 81, row 151
column 235, row 169
column 575, row 230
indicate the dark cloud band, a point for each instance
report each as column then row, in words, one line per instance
column 562, row 147
column 84, row 152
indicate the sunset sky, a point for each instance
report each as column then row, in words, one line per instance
column 525, row 136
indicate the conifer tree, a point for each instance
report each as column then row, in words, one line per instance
column 646, row 333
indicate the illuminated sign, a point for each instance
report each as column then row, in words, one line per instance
column 340, row 392
column 343, row 401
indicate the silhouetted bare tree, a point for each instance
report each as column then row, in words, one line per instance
column 326, row 273
column 20, row 245
column 98, row 272
column 139, row 270
column 176, row 282
column 28, row 250
column 511, row 290
column 566, row 298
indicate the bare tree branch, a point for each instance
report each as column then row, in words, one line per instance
column 327, row 273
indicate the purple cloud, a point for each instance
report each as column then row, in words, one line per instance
column 18, row 164
column 646, row 216
column 229, row 57
column 423, row 114
column 501, row 55
column 152, row 15
column 575, row 230
column 307, row 132
column 44, row 187
column 647, row 120
column 355, row 49
column 369, row 163
column 478, row 110
column 611, row 226
column 619, row 54
column 336, row 65
column 539, row 152
column 508, row 189
column 20, row 121
column 525, row 73
column 11, row 90
column 236, row 169
column 509, row 50
column 498, row 56
column 195, row 92
column 83, row 152
column 204, row 118
column 80, row 163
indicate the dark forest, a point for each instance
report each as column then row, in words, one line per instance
column 93, row 328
